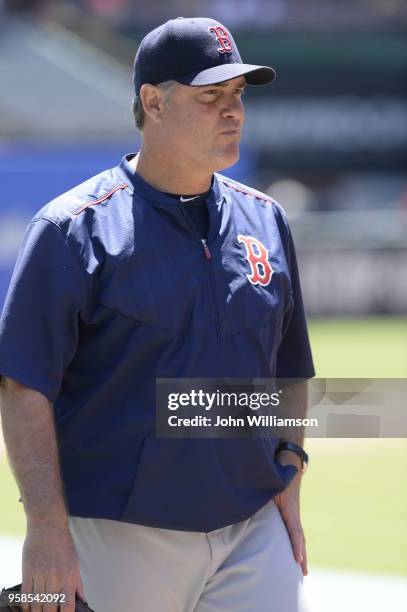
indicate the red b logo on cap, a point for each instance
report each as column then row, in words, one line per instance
column 223, row 38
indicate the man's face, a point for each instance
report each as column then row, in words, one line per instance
column 205, row 123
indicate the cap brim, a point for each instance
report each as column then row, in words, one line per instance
column 255, row 75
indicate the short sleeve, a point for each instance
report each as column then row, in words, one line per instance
column 294, row 357
column 39, row 322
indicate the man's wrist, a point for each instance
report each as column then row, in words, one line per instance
column 42, row 519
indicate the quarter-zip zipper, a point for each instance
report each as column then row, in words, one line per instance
column 208, row 257
column 207, row 252
column 215, row 303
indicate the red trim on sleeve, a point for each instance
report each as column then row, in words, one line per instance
column 101, row 199
column 254, row 193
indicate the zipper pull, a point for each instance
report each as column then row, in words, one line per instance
column 207, row 252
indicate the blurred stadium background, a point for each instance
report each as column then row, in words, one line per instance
column 328, row 140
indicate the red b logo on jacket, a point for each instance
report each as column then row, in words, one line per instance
column 257, row 256
column 223, row 39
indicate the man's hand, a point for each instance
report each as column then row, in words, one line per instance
column 50, row 565
column 288, row 503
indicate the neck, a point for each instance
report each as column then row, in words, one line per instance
column 169, row 174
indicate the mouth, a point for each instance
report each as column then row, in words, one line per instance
column 230, row 133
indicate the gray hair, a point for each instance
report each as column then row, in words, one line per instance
column 138, row 110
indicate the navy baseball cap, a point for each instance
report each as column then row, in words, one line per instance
column 193, row 51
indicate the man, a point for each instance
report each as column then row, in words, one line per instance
column 158, row 268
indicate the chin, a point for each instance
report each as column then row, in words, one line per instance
column 228, row 159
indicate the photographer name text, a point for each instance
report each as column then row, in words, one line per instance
column 250, row 420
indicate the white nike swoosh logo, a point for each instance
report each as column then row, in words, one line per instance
column 182, row 199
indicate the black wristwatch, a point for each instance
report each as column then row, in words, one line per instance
column 295, row 448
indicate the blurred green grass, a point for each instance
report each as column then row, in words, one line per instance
column 354, row 505
column 354, row 497
column 12, row 517
column 372, row 347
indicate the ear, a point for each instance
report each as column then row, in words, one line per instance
column 153, row 101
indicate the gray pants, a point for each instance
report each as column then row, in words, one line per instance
column 245, row 567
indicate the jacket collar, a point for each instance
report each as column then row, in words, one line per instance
column 158, row 198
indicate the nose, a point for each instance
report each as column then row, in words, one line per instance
column 233, row 109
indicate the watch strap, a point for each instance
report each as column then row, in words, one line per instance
column 294, row 448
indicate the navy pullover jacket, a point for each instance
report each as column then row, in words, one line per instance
column 113, row 288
